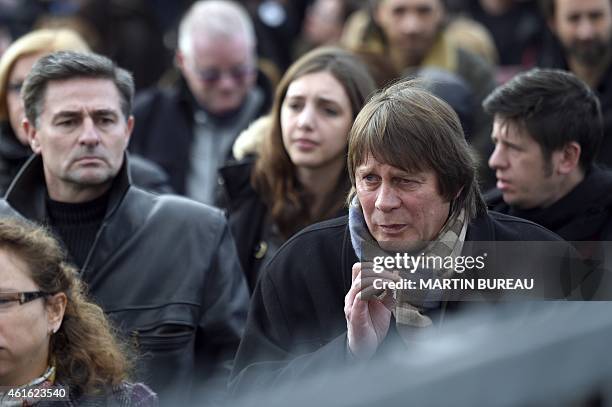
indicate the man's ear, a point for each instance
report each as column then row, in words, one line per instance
column 569, row 158
column 30, row 131
column 130, row 126
column 179, row 59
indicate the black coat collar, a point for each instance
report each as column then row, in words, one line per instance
column 27, row 192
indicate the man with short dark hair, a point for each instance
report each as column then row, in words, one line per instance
column 547, row 130
column 164, row 268
column 582, row 44
column 414, row 190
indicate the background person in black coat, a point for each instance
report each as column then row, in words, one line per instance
column 298, row 175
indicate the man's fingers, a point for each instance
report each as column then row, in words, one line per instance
column 349, row 299
column 355, row 271
column 368, row 286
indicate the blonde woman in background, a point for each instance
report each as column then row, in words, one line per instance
column 15, row 65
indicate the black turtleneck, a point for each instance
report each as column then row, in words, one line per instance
column 77, row 224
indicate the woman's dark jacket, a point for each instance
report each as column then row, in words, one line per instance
column 247, row 214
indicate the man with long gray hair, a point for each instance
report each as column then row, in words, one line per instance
column 414, row 195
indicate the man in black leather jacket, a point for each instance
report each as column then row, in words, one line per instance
column 164, row 268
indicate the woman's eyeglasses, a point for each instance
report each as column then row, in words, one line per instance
column 6, row 299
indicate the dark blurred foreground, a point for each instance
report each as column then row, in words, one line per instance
column 518, row 354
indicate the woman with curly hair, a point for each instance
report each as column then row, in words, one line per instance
column 51, row 337
column 299, row 174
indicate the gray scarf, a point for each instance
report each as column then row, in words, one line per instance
column 410, row 305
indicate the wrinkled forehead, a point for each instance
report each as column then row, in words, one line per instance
column 81, row 93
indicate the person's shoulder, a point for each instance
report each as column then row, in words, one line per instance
column 6, row 209
column 134, row 394
column 318, row 242
column 174, row 207
column 313, row 257
column 507, row 227
column 153, row 95
column 321, row 231
column 494, row 199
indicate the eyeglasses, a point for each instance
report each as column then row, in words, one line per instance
column 6, row 299
column 210, row 76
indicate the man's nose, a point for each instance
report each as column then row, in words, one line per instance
column 387, row 198
column 411, row 24
column 498, row 158
column 89, row 135
column 586, row 29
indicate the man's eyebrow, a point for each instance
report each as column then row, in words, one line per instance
column 105, row 112
column 66, row 113
column 76, row 113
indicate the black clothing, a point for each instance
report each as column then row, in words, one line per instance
column 164, row 130
column 296, row 321
column 77, row 224
column 552, row 57
column 584, row 214
column 249, row 218
column 165, row 270
column 13, row 155
column 246, row 216
column 516, row 32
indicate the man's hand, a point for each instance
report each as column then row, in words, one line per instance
column 367, row 317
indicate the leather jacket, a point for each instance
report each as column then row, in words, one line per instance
column 165, row 270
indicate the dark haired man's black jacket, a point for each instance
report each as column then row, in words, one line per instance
column 584, row 214
column 296, row 324
column 165, row 269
